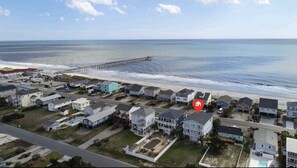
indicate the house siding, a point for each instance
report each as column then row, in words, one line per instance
column 109, row 88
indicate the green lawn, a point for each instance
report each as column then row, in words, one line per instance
column 44, row 161
column 9, row 150
column 7, row 110
column 182, row 153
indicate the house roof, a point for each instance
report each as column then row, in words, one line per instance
column 246, row 101
column 268, row 103
column 267, row 136
column 291, row 145
column 80, row 81
column 291, row 103
column 152, row 88
column 206, row 96
column 144, row 111
column 136, row 88
column 185, row 92
column 98, row 105
column 123, row 107
column 100, row 115
column 7, row 87
column 224, row 98
column 198, row 95
column 80, row 100
column 49, row 123
column 172, row 113
column 51, row 97
column 201, row 117
column 230, row 130
column 30, row 91
column 166, row 92
column 107, row 83
column 60, row 101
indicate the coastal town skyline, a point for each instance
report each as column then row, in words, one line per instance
column 109, row 19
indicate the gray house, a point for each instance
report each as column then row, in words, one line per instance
column 50, row 125
column 224, row 102
column 8, row 90
column 167, row 95
column 151, row 92
column 136, row 90
column 265, row 142
column 206, row 97
column 44, row 101
column 171, row 119
column 244, row 105
column 230, row 132
column 268, row 106
column 98, row 118
column 95, row 108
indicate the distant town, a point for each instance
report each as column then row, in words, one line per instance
column 49, row 119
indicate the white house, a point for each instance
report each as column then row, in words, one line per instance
column 268, row 106
column 151, row 92
column 197, row 125
column 136, row 90
column 142, row 120
column 292, row 109
column 59, row 104
column 8, row 90
column 80, row 104
column 170, row 119
column 95, row 108
column 291, row 152
column 265, row 143
column 78, row 83
column 44, row 101
column 185, row 96
column 26, row 98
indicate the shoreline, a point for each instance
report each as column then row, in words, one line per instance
column 214, row 92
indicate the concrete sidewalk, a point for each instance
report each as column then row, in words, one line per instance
column 102, row 135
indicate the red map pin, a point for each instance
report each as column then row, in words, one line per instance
column 198, row 104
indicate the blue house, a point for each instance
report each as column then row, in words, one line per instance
column 230, row 133
column 108, row 86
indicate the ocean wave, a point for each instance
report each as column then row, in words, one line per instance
column 264, row 90
column 36, row 65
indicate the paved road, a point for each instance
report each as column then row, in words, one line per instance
column 93, row 158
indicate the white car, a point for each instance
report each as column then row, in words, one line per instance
column 220, row 111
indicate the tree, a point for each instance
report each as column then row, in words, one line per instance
column 76, row 161
column 216, row 123
column 3, row 102
column 18, row 164
column 35, row 156
column 227, row 113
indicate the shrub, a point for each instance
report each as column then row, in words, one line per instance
column 35, row 156
column 13, row 116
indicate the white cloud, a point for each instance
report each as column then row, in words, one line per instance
column 4, row 12
column 118, row 10
column 62, row 19
column 86, row 6
column 103, row 2
column 208, row 2
column 173, row 9
column 234, row 1
column 45, row 14
column 77, row 19
column 263, row 2
column 89, row 19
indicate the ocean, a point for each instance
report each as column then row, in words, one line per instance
column 263, row 67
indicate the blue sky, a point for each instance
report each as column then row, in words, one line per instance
column 146, row 19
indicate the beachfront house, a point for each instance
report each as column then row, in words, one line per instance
column 244, row 105
column 185, row 96
column 206, row 97
column 80, row 104
column 44, row 101
column 170, row 119
column 197, row 125
column 268, row 106
column 98, row 119
column 50, row 125
column 95, row 108
column 59, row 104
column 109, row 87
column 291, row 152
column 265, row 143
column 26, row 98
column 292, row 109
column 151, row 92
column 142, row 120
column 7, row 90
column 89, row 85
column 167, row 95
column 136, row 90
column 123, row 114
column 230, row 133
column 79, row 83
column 223, row 102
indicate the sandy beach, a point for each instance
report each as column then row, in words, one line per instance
column 215, row 93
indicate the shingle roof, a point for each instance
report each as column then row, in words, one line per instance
column 60, row 101
column 172, row 113
column 246, row 101
column 7, row 87
column 230, row 130
column 98, row 105
column 268, row 103
column 201, row 117
column 206, row 96
column 225, row 98
column 144, row 111
column 267, row 136
column 123, row 107
column 106, row 83
column 30, row 91
column 184, row 93
column 136, row 88
column 198, row 95
column 166, row 92
column 151, row 88
column 291, row 103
